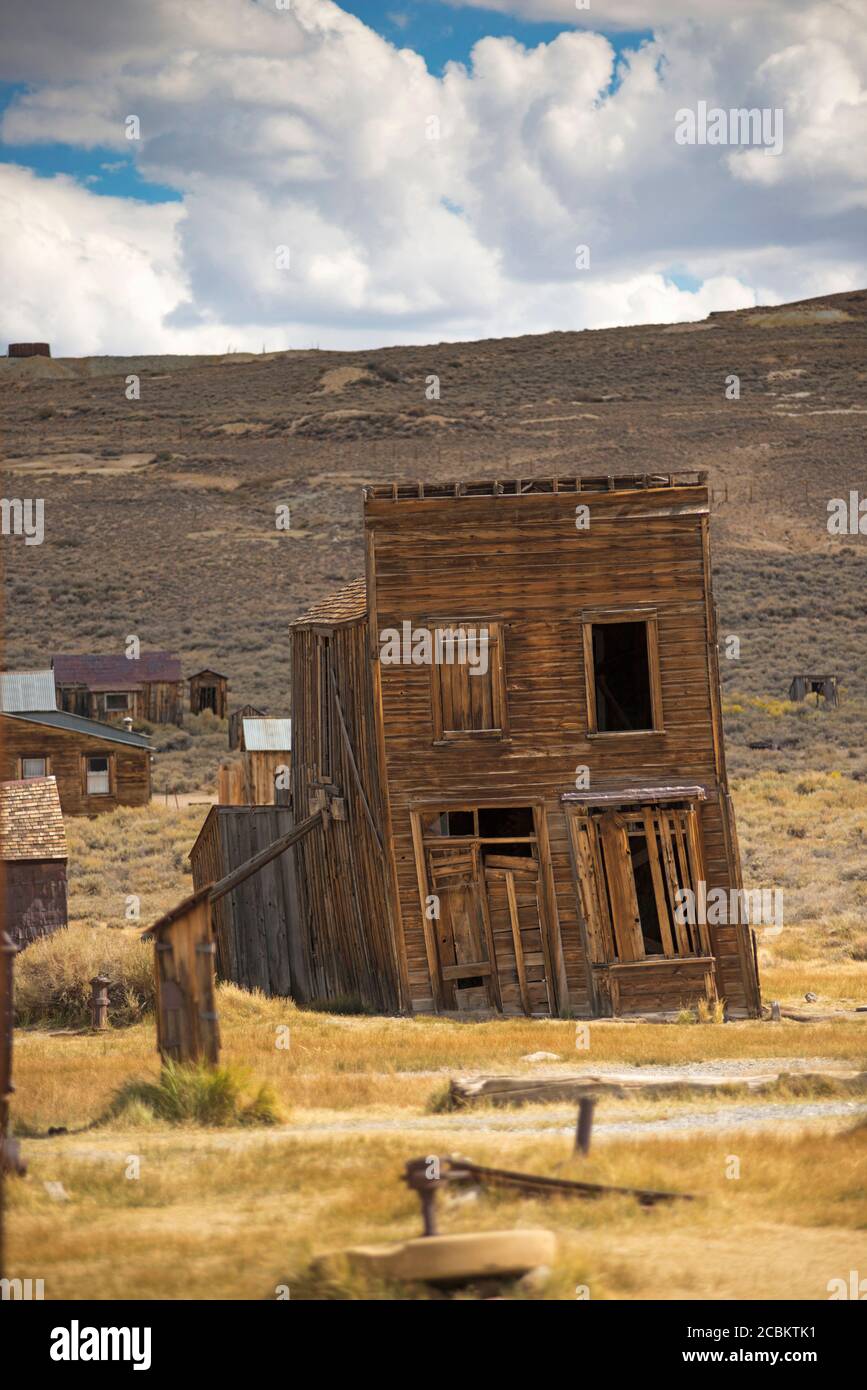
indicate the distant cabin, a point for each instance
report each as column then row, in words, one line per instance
column 209, row 691
column 260, row 776
column 822, row 687
column 97, row 767
column 115, row 687
column 34, row 858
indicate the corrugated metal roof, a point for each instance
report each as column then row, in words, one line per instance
column 87, row 669
column 344, row 605
column 76, row 724
column 24, row 690
column 268, row 735
column 31, row 823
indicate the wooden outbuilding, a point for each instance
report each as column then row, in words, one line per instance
column 260, row 775
column 236, row 723
column 186, row 1003
column 209, row 691
column 116, row 687
column 257, row 926
column 823, row 687
column 97, row 766
column 34, row 856
column 513, row 731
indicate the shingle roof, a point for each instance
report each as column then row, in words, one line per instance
column 344, row 605
column 31, row 824
column 85, row 669
column 23, row 690
column 77, row 724
column 268, row 735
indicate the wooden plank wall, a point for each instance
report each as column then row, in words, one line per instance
column 35, row 899
column 522, row 562
column 186, row 1007
column 131, row 776
column 158, row 702
column 341, row 867
column 257, row 927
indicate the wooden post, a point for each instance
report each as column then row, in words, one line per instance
column 99, row 1002
column 586, row 1107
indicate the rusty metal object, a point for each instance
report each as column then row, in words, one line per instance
column 426, row 1175
column 29, row 350
column 99, row 1002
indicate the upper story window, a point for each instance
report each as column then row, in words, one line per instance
column 468, row 681
column 621, row 671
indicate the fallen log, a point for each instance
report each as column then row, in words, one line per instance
column 549, row 1090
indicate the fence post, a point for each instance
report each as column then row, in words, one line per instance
column 586, row 1107
column 99, row 1002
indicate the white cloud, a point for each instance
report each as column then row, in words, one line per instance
column 303, row 128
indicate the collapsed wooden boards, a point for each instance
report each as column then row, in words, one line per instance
column 542, row 1090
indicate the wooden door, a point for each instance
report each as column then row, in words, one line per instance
column 462, row 928
column 516, row 918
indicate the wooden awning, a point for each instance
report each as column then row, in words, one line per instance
column 624, row 796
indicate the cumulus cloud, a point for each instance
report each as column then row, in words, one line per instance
column 335, row 191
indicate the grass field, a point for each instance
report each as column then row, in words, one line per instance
column 247, row 1211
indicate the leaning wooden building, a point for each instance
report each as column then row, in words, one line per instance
column 514, row 828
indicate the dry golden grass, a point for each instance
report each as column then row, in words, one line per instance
column 239, row 1217
column 238, row 1213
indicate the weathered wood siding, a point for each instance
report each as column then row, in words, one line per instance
column 520, row 561
column 35, row 899
column 158, row 702
column 130, row 776
column 257, row 927
column 342, row 868
column 251, row 779
column 186, row 1005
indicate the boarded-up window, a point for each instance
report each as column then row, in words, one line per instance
column 640, row 874
column 97, row 776
column 468, row 686
column 621, row 672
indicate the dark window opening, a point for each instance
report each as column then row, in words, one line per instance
column 503, row 821
column 621, row 670
column 208, row 698
column 651, row 931
column 521, row 850
column 470, row 982
column 117, row 702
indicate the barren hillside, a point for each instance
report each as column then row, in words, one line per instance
column 160, row 511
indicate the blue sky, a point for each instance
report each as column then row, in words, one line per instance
column 440, row 32
column 444, row 33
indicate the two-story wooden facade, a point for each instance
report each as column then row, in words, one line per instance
column 518, row 719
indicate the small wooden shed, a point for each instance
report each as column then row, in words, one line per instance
column 236, row 723
column 257, row 926
column 823, row 687
column 34, row 857
column 98, row 767
column 261, row 775
column 186, row 1007
column 209, row 690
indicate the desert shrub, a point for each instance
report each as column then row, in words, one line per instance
column 195, row 1093
column 52, row 977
